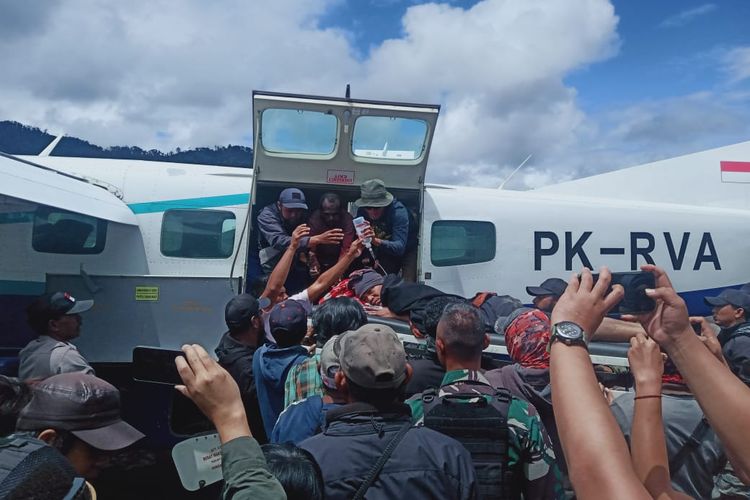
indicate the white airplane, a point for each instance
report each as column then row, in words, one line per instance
column 162, row 246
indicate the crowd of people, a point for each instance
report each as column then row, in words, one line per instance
column 314, row 396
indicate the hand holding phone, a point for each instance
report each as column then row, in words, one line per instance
column 635, row 300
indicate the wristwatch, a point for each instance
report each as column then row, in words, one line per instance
column 568, row 333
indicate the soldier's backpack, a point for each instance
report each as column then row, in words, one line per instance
column 482, row 427
column 31, row 469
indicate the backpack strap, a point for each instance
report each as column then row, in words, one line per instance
column 78, row 486
column 374, row 472
column 690, row 445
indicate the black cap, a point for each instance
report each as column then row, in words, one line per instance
column 240, row 310
column 551, row 286
column 59, row 304
column 737, row 298
column 289, row 316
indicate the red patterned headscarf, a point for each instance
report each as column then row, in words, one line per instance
column 340, row 290
column 671, row 374
column 527, row 337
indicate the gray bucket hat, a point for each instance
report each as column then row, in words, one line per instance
column 374, row 194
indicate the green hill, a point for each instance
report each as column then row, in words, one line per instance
column 19, row 139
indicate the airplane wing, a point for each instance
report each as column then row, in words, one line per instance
column 714, row 178
column 23, row 180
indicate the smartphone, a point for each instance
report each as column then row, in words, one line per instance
column 154, row 364
column 635, row 300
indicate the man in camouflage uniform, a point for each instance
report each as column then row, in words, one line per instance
column 459, row 344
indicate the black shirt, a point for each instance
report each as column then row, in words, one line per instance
column 237, row 358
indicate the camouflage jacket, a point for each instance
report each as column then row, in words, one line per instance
column 529, row 446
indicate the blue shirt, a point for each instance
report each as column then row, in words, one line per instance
column 271, row 365
column 301, row 420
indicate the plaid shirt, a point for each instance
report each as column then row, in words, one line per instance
column 303, row 381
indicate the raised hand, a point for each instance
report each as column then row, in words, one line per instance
column 711, row 341
column 369, row 233
column 355, row 250
column 213, row 390
column 585, row 303
column 669, row 319
column 330, row 237
column 646, row 364
column 299, row 232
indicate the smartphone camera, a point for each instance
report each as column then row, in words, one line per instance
column 156, row 365
column 635, row 300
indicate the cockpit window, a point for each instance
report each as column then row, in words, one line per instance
column 460, row 242
column 58, row 231
column 389, row 138
column 198, row 234
column 296, row 131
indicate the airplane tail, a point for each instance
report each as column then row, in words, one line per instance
column 714, row 178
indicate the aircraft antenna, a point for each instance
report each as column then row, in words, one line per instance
column 348, row 93
column 516, row 170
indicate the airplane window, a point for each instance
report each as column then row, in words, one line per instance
column 227, row 235
column 58, row 231
column 389, row 138
column 198, row 234
column 458, row 242
column 296, row 131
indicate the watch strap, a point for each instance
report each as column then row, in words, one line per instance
column 554, row 337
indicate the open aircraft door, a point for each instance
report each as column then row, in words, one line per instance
column 324, row 140
column 321, row 144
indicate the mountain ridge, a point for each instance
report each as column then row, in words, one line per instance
column 19, row 139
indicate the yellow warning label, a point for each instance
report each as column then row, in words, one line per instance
column 147, row 293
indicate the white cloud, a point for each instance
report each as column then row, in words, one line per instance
column 737, row 64
column 164, row 75
column 498, row 68
column 684, row 17
column 126, row 71
column 653, row 130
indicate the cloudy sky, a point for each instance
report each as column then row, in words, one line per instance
column 583, row 85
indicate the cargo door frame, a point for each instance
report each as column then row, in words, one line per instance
column 344, row 164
